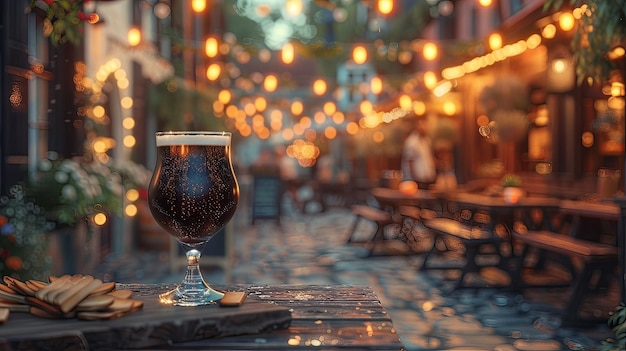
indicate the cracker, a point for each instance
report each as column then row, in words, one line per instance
column 12, row 297
column 36, row 284
column 95, row 303
column 35, row 311
column 72, row 289
column 7, row 289
column 15, row 307
column 55, row 284
column 233, row 298
column 121, row 294
column 137, row 305
column 22, row 288
column 105, row 288
column 44, row 306
column 79, row 296
column 121, row 305
column 4, row 315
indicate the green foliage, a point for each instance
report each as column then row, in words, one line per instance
column 330, row 42
column 23, row 240
column 591, row 48
column 506, row 93
column 511, row 180
column 617, row 322
column 63, row 19
column 69, row 190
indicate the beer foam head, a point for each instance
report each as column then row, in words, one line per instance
column 192, row 138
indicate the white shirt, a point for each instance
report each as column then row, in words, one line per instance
column 418, row 161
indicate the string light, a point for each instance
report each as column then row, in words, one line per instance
column 213, row 72
column 270, row 83
column 385, row 6
column 405, row 102
column 224, row 96
column 99, row 219
column 430, row 51
column 319, row 87
column 294, row 7
column 134, row 36
column 211, row 47
column 359, row 54
column 376, row 85
column 566, row 21
column 287, row 53
column 495, row 41
column 296, row 107
column 198, row 5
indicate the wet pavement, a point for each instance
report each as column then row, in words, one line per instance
column 427, row 313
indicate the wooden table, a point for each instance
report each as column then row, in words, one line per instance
column 582, row 249
column 294, row 317
column 499, row 212
column 394, row 198
column 600, row 210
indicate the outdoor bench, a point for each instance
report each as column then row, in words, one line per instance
column 473, row 238
column 380, row 217
column 595, row 257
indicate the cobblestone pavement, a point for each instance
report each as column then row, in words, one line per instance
column 427, row 314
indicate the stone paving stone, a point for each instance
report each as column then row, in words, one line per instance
column 427, row 313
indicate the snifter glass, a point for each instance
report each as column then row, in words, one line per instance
column 192, row 195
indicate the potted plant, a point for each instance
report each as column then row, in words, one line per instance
column 512, row 188
column 70, row 190
column 23, row 241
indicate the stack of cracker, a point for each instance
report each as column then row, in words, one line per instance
column 68, row 296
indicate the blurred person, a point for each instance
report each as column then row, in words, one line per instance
column 418, row 159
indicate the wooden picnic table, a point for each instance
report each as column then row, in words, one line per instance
column 395, row 198
column 396, row 201
column 574, row 245
column 294, row 317
column 501, row 211
column 476, row 225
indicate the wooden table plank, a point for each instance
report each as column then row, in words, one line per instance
column 324, row 317
column 599, row 210
column 154, row 325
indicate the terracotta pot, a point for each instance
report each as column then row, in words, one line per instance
column 512, row 194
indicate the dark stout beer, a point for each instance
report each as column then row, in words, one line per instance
column 193, row 192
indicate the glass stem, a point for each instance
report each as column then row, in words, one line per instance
column 193, row 277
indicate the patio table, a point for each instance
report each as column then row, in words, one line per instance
column 294, row 317
column 583, row 244
column 393, row 198
column 476, row 230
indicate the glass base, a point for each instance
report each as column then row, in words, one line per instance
column 193, row 291
column 190, row 297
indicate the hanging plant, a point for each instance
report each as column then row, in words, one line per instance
column 506, row 103
column 591, row 48
column 63, row 19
